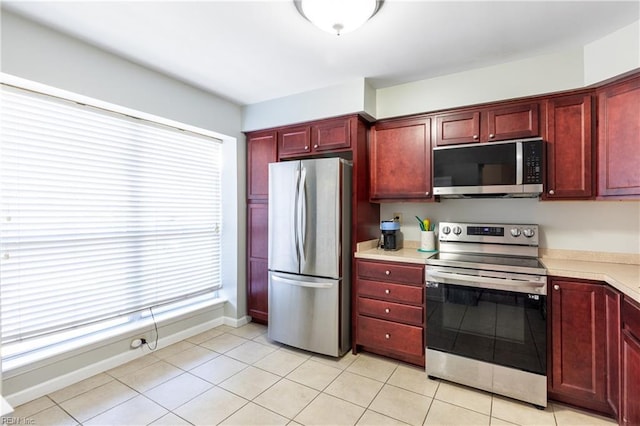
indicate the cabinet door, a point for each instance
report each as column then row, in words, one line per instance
column 619, row 139
column 578, row 344
column 400, row 160
column 457, row 128
column 613, row 327
column 570, row 145
column 294, row 141
column 261, row 150
column 331, row 135
column 512, row 122
column 257, row 271
column 630, row 363
column 630, row 412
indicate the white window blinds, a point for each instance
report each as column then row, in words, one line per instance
column 103, row 215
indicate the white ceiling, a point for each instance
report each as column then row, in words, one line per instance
column 253, row 51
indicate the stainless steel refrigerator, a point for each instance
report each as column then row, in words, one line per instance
column 309, row 254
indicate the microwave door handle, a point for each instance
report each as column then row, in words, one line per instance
column 520, row 286
column 519, row 165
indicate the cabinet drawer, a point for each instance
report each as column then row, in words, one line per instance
column 390, row 311
column 391, row 292
column 631, row 317
column 412, row 274
column 391, row 336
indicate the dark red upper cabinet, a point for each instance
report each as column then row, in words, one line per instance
column 619, row 139
column 570, row 138
column 261, row 150
column 400, row 160
column 489, row 124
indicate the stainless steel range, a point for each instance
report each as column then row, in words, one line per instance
column 486, row 310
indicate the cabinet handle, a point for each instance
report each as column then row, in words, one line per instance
column 387, row 336
column 387, row 291
column 475, row 137
column 315, row 146
column 551, row 192
column 387, row 272
column 491, row 136
column 556, row 287
column 387, row 310
column 426, row 193
column 306, row 147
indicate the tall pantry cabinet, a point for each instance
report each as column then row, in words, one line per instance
column 261, row 150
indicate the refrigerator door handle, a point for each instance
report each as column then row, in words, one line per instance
column 302, row 212
column 282, row 280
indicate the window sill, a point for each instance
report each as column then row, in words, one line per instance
column 37, row 359
column 5, row 409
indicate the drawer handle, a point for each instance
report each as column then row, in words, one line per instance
column 556, row 287
column 387, row 291
column 387, row 336
column 387, row 310
column 387, row 272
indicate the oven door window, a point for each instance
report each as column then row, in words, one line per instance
column 475, row 166
column 500, row 327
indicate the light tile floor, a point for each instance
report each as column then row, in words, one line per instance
column 236, row 376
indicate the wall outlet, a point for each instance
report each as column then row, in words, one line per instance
column 398, row 218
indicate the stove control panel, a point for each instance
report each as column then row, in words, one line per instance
column 494, row 233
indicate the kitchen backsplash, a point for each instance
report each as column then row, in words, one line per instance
column 599, row 226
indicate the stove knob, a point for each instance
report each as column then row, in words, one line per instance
column 528, row 232
column 515, row 232
column 457, row 230
column 446, row 230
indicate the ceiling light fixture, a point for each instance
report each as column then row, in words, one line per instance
column 338, row 16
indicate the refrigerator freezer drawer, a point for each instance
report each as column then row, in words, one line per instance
column 309, row 313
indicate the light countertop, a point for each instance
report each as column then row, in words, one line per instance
column 623, row 277
column 408, row 254
column 621, row 271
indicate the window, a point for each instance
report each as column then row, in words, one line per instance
column 103, row 217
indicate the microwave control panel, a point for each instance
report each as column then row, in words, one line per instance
column 532, row 153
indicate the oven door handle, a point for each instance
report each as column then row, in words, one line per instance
column 520, row 286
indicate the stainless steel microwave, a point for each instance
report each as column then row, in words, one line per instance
column 511, row 168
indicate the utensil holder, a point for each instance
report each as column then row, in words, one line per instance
column 427, row 240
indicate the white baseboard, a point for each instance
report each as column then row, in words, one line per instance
column 57, row 383
column 235, row 323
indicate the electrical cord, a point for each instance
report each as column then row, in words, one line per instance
column 155, row 326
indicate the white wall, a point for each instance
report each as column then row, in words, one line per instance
column 313, row 105
column 40, row 54
column 602, row 226
column 533, row 76
column 612, row 55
